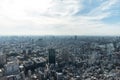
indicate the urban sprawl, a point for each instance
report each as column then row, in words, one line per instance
column 59, row 58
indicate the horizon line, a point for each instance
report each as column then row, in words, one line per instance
column 59, row 35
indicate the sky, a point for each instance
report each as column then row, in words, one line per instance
column 59, row 17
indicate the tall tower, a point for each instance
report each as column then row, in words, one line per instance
column 51, row 56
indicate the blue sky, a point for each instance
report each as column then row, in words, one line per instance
column 59, row 17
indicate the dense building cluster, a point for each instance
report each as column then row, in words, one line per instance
column 59, row 58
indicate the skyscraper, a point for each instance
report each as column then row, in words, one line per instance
column 51, row 56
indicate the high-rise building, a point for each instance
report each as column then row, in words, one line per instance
column 2, row 59
column 51, row 56
column 59, row 76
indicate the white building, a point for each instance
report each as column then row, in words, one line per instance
column 11, row 68
column 1, row 72
column 110, row 48
column 59, row 76
column 2, row 59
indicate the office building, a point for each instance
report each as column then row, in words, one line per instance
column 51, row 56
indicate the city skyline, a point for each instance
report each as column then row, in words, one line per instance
column 59, row 17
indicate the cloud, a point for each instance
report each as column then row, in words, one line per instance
column 56, row 17
column 104, row 10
